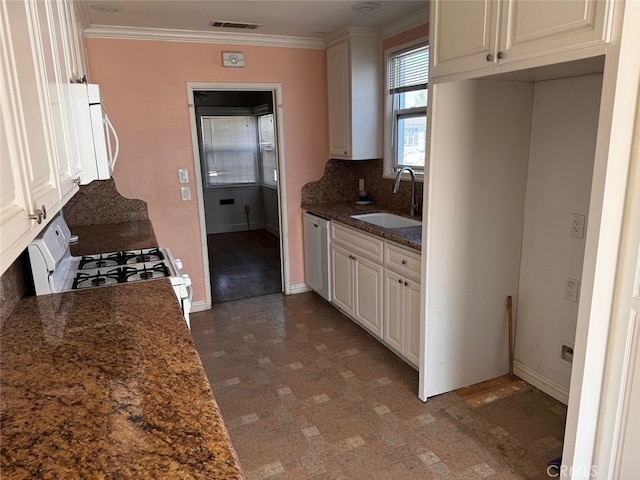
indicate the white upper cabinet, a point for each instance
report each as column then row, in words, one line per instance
column 338, row 82
column 470, row 35
column 53, row 63
column 30, row 186
column 462, row 35
column 39, row 157
column 354, row 82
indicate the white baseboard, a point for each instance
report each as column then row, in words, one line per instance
column 199, row 306
column 548, row 386
column 299, row 288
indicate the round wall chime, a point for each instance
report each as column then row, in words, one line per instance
column 232, row 59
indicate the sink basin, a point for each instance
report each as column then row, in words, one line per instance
column 387, row 220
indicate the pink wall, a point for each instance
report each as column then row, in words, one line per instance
column 143, row 84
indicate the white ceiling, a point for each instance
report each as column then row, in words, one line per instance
column 301, row 18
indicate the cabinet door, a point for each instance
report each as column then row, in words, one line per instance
column 14, row 203
column 65, row 46
column 339, row 92
column 53, row 67
column 531, row 28
column 342, row 279
column 412, row 322
column 32, row 117
column 393, row 310
column 463, row 35
column 368, row 295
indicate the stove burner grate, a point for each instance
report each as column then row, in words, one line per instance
column 89, row 262
column 97, row 279
column 129, row 257
column 142, row 256
column 159, row 270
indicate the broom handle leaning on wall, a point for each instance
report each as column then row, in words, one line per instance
column 511, row 346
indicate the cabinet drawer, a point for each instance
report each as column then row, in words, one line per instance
column 402, row 260
column 359, row 243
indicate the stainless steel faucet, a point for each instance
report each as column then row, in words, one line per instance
column 396, row 187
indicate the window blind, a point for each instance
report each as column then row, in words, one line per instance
column 268, row 150
column 409, row 70
column 230, row 149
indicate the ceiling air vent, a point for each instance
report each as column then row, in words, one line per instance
column 240, row 25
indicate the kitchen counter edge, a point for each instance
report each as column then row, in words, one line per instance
column 341, row 212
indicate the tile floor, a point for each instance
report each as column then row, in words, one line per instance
column 306, row 393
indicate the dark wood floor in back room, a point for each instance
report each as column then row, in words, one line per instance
column 307, row 394
column 244, row 265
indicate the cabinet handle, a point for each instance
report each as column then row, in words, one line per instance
column 39, row 215
column 400, row 280
column 489, row 57
column 500, row 55
column 352, row 257
column 406, row 284
column 404, row 262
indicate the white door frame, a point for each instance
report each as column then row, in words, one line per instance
column 276, row 90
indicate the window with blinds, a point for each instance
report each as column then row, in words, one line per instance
column 230, row 149
column 408, row 78
column 268, row 151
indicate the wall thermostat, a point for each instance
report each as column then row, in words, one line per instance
column 233, row 59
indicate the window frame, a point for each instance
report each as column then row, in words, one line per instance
column 390, row 115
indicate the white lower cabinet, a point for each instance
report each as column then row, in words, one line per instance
column 402, row 316
column 368, row 295
column 342, row 281
column 375, row 283
column 356, row 280
column 402, row 313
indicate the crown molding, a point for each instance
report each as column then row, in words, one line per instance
column 82, row 13
column 345, row 32
column 193, row 36
column 406, row 23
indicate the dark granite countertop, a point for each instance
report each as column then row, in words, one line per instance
column 113, row 237
column 106, row 383
column 341, row 211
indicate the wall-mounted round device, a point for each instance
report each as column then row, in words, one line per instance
column 233, row 59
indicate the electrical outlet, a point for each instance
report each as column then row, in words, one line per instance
column 576, row 228
column 185, row 193
column 571, row 286
column 566, row 353
column 183, row 175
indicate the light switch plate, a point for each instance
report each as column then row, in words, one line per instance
column 185, row 193
column 183, row 175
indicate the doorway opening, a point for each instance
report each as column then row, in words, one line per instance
column 237, row 141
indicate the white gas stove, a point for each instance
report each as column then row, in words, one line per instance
column 55, row 270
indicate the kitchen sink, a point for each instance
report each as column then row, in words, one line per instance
column 387, row 220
